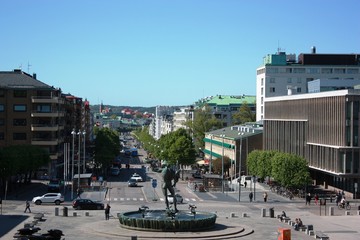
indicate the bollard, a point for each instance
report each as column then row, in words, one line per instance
column 56, row 211
column 87, row 214
column 263, row 212
column 74, row 214
column 244, row 215
column 232, row 215
column 347, row 213
column 331, row 211
column 358, row 212
column 65, row 211
column 133, row 237
column 271, row 212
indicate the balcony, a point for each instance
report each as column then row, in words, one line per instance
column 44, row 127
column 47, row 99
column 45, row 141
column 47, row 114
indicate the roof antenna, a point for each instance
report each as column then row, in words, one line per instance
column 29, row 67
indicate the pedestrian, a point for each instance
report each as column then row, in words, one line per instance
column 107, row 212
column 245, row 183
column 27, row 206
column 78, row 192
column 195, row 187
column 338, row 198
column 316, row 198
column 265, row 195
column 251, row 196
column 308, row 199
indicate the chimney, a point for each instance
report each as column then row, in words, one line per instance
column 34, row 75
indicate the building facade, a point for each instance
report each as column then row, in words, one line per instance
column 324, row 129
column 281, row 73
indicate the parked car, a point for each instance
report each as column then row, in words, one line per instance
column 132, row 182
column 178, row 197
column 137, row 177
column 56, row 198
column 87, row 204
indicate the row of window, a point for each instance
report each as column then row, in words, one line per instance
column 17, row 93
column 309, row 70
column 16, row 136
column 23, row 108
column 16, row 122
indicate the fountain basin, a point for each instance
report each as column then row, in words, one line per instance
column 159, row 220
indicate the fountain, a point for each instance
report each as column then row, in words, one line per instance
column 168, row 220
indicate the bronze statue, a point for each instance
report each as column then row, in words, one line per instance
column 170, row 178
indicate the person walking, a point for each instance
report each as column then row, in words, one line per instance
column 308, row 199
column 245, row 183
column 78, row 193
column 316, row 199
column 251, row 196
column 107, row 212
column 27, row 206
column 265, row 195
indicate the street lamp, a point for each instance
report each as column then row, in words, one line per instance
column 222, row 164
column 72, row 164
column 84, row 162
column 240, row 163
column 210, row 164
column 79, row 158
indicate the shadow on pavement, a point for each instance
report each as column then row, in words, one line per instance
column 8, row 222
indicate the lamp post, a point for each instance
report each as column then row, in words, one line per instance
column 210, row 164
column 72, row 162
column 222, row 164
column 84, row 162
column 240, row 163
column 79, row 134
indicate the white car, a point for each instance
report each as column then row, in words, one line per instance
column 178, row 197
column 56, row 198
column 137, row 177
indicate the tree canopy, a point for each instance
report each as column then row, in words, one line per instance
column 244, row 115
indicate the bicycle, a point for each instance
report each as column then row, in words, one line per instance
column 344, row 205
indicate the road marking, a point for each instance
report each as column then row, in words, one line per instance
column 128, row 199
column 141, row 199
column 211, row 195
column 134, row 199
column 115, row 199
column 122, row 199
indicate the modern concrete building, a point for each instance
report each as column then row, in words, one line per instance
column 181, row 115
column 235, row 142
column 324, row 129
column 155, row 126
column 281, row 74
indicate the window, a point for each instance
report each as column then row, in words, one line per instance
column 299, row 70
column 2, row 136
column 272, row 70
column 272, row 80
column 20, row 93
column 312, row 70
column 262, row 91
column 298, row 89
column 353, row 71
column 2, row 121
column 2, row 107
column 262, row 81
column 326, row 70
column 43, row 108
column 19, row 136
column 2, row 93
column 339, row 70
column 19, row 108
column 262, row 100
column 272, row 89
column 289, row 80
column 19, row 122
column 289, row 70
column 298, row 80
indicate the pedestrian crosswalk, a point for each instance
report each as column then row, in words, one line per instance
column 186, row 200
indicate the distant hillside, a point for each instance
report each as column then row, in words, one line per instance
column 117, row 109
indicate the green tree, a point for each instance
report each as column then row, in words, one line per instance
column 290, row 170
column 204, row 121
column 244, row 115
column 217, row 165
column 177, row 148
column 107, row 147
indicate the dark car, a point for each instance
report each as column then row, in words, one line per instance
column 87, row 204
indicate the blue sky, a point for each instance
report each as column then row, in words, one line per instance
column 165, row 52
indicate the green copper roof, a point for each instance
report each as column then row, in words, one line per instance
column 232, row 100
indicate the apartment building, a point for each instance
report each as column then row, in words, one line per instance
column 34, row 113
column 224, row 106
column 31, row 112
column 324, row 129
column 182, row 115
column 282, row 73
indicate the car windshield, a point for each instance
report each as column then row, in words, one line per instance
column 132, row 180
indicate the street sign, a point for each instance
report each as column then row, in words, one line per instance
column 154, row 183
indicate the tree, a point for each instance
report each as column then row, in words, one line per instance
column 107, row 147
column 244, row 115
column 217, row 165
column 177, row 148
column 203, row 122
